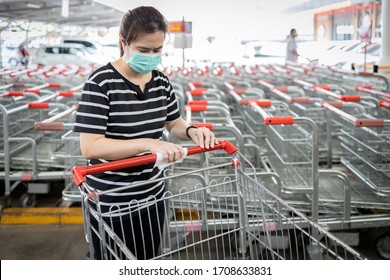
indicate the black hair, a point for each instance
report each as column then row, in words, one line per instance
column 293, row 30
column 143, row 19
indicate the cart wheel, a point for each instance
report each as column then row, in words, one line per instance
column 234, row 240
column 382, row 246
column 27, row 200
column 63, row 203
column 234, row 244
column 5, row 202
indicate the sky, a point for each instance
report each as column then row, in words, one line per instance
column 241, row 20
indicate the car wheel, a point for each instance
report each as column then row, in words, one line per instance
column 13, row 61
column 383, row 246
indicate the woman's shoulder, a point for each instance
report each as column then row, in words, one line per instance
column 102, row 73
column 160, row 77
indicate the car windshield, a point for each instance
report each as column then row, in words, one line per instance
column 84, row 43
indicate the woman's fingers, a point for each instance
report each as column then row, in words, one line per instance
column 172, row 152
column 204, row 138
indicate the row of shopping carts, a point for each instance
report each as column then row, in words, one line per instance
column 276, row 204
column 324, row 133
column 37, row 146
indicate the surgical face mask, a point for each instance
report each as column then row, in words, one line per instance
column 142, row 62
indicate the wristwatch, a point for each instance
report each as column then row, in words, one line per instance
column 188, row 128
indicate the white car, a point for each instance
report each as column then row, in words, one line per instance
column 67, row 54
column 9, row 56
column 91, row 45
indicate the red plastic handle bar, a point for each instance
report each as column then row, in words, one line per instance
column 384, row 103
column 350, row 98
column 369, row 122
column 65, row 93
column 196, row 108
column 37, row 91
column 21, row 85
column 317, row 87
column 246, row 101
column 196, row 84
column 363, row 87
column 38, row 105
column 240, row 90
column 13, row 94
column 208, row 125
column 333, row 103
column 279, row 120
column 198, row 91
column 198, row 102
column 49, row 126
column 79, row 172
column 260, row 102
column 282, row 88
column 301, row 100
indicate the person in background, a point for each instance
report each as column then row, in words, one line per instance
column 292, row 47
column 23, row 54
column 124, row 108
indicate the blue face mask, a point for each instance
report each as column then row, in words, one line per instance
column 143, row 63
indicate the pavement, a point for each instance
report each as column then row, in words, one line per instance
column 64, row 240
column 57, row 233
column 43, row 242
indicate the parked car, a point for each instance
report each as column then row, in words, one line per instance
column 67, row 54
column 91, row 45
column 9, row 56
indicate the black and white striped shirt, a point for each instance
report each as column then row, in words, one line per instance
column 112, row 105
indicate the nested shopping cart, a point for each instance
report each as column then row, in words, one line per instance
column 366, row 147
column 236, row 217
column 31, row 148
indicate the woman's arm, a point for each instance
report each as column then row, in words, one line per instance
column 97, row 146
column 201, row 136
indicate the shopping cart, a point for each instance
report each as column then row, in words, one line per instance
column 366, row 148
column 233, row 218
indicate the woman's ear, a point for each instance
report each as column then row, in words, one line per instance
column 123, row 42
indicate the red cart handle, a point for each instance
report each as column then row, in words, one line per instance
column 79, row 172
column 384, row 103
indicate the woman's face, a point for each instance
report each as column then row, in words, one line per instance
column 149, row 43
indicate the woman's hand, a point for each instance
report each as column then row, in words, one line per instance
column 203, row 137
column 171, row 152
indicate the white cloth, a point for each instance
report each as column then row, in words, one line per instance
column 291, row 45
column 161, row 163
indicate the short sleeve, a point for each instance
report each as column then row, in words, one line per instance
column 173, row 112
column 92, row 114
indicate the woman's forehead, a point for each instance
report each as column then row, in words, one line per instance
column 149, row 39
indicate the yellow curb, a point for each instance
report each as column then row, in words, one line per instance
column 41, row 216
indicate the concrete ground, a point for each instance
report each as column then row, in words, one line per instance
column 67, row 242
column 42, row 242
column 62, row 238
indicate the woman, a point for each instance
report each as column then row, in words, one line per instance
column 124, row 108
